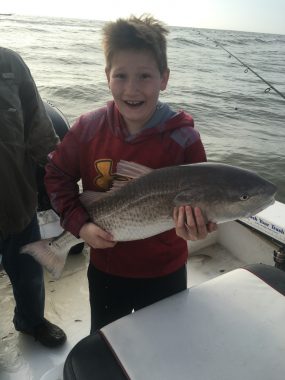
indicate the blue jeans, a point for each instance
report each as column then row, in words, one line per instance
column 26, row 277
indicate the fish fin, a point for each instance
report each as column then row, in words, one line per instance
column 182, row 199
column 47, row 253
column 126, row 172
column 88, row 198
column 131, row 170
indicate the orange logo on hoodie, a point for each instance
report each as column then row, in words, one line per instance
column 105, row 178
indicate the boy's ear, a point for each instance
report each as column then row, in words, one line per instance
column 164, row 79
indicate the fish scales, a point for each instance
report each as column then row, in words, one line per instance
column 145, row 205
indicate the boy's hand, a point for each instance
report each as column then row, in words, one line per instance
column 190, row 224
column 96, row 237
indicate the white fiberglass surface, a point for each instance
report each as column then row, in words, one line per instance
column 220, row 329
column 210, row 262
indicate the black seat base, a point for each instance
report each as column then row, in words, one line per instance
column 92, row 359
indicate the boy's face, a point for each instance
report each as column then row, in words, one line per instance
column 135, row 82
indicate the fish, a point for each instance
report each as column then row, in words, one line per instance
column 141, row 201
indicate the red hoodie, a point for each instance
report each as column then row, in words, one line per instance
column 91, row 150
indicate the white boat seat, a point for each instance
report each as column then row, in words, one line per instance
column 230, row 327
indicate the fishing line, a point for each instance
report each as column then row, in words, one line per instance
column 247, row 68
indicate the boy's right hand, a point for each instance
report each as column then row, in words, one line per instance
column 96, row 237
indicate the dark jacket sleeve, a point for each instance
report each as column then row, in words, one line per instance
column 40, row 136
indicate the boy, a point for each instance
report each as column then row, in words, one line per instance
column 135, row 126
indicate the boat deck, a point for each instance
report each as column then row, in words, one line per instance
column 67, row 305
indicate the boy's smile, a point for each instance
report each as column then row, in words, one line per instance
column 135, row 82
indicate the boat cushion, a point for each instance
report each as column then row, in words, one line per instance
column 230, row 327
column 92, row 359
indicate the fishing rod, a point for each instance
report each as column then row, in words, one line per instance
column 247, row 68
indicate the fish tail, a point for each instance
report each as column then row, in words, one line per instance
column 48, row 255
column 55, row 266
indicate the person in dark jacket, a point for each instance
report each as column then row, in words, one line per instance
column 26, row 138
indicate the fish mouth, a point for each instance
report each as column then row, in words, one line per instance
column 270, row 202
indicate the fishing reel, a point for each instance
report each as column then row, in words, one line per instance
column 279, row 258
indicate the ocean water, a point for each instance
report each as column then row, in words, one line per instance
column 239, row 121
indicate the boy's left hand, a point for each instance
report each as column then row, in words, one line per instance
column 190, row 223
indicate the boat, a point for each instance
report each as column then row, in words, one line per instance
column 228, row 324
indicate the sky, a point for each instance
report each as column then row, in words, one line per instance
column 265, row 16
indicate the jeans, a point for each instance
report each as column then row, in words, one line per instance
column 112, row 297
column 26, row 277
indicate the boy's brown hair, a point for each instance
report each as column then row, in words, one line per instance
column 136, row 33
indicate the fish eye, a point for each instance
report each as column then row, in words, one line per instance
column 244, row 197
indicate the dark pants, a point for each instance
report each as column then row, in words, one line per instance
column 26, row 277
column 112, row 297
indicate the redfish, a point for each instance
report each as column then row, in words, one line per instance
column 141, row 201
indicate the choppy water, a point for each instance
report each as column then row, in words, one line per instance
column 240, row 124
